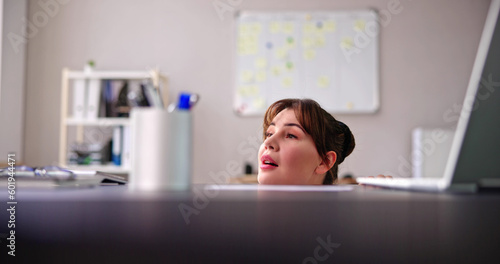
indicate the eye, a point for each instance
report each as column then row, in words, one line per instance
column 290, row 136
column 268, row 134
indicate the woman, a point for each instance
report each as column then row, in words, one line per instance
column 303, row 144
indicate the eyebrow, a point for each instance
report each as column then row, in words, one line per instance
column 290, row 124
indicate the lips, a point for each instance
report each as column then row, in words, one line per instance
column 267, row 162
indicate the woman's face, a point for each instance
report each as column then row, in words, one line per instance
column 288, row 155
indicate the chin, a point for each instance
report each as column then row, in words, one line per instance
column 266, row 179
column 270, row 180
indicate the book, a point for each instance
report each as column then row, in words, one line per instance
column 92, row 93
column 126, row 139
column 116, row 154
column 79, row 99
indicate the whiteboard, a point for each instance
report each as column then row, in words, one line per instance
column 331, row 57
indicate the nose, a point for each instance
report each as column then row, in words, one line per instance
column 271, row 144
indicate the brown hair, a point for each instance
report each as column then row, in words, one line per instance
column 327, row 133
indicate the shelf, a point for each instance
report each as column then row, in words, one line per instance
column 109, row 168
column 109, row 75
column 77, row 126
column 110, row 121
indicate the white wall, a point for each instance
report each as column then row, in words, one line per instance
column 427, row 53
column 13, row 60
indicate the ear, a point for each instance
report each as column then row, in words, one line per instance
column 324, row 166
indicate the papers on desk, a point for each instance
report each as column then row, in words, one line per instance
column 80, row 179
column 284, row 188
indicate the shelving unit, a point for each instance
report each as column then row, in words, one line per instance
column 68, row 120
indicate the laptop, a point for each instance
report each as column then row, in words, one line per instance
column 474, row 158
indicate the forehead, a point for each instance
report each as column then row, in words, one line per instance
column 285, row 116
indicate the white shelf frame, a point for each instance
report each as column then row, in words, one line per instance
column 67, row 76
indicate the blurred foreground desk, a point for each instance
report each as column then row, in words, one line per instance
column 113, row 225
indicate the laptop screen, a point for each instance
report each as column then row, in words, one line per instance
column 475, row 154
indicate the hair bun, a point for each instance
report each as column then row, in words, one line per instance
column 346, row 146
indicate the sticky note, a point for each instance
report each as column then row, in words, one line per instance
column 319, row 41
column 323, row 81
column 260, row 63
column 276, row 70
column 248, row 90
column 347, row 43
column 309, row 54
column 253, row 90
column 281, row 52
column 242, row 91
column 242, row 50
column 329, row 26
column 308, row 28
column 259, row 103
column 261, row 76
column 288, row 28
column 243, row 29
column 275, row 27
column 350, row 105
column 307, row 42
column 256, row 28
column 246, row 76
column 287, row 82
column 359, row 25
column 252, row 49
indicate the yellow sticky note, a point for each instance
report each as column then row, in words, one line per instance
column 359, row 25
column 330, row 26
column 246, row 76
column 288, row 28
column 243, row 29
column 276, row 70
column 260, row 63
column 275, row 27
column 253, row 90
column 307, row 42
column 350, row 105
column 281, row 52
column 308, row 28
column 287, row 82
column 251, row 49
column 255, row 28
column 309, row 54
column 347, row 43
column 320, row 41
column 242, row 49
column 242, row 91
column 252, row 38
column 248, row 90
column 323, row 81
column 261, row 76
column 259, row 103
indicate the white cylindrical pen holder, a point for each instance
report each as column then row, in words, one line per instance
column 161, row 149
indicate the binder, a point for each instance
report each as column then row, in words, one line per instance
column 93, row 96
column 116, row 153
column 79, row 104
